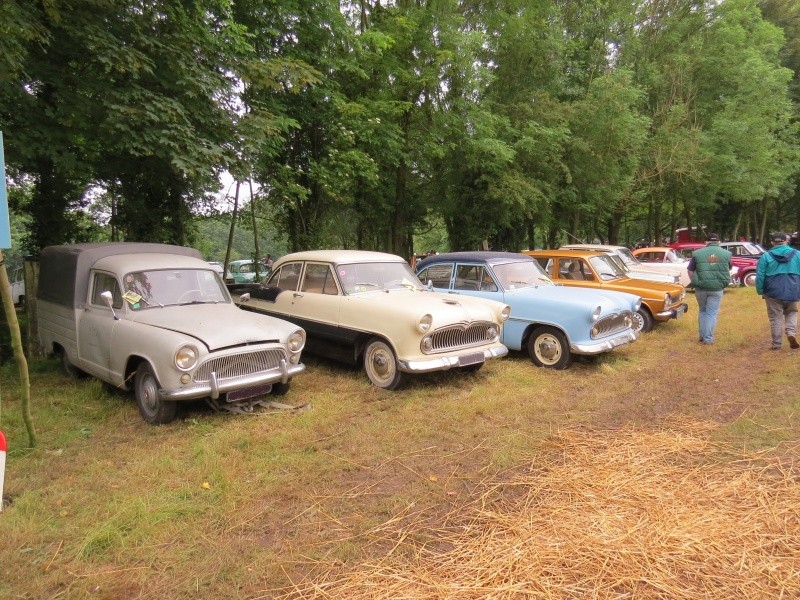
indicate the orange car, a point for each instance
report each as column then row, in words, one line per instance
column 582, row 268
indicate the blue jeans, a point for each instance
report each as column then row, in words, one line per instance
column 708, row 309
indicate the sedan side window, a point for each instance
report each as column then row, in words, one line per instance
column 287, row 277
column 319, row 280
column 474, row 277
column 103, row 282
column 440, row 275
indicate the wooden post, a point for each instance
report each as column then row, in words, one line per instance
column 19, row 354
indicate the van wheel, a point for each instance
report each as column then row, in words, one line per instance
column 381, row 365
column 70, row 369
column 547, row 347
column 153, row 409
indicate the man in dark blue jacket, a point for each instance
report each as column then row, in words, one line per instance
column 778, row 282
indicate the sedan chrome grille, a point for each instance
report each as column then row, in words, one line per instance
column 463, row 335
column 238, row 365
column 612, row 324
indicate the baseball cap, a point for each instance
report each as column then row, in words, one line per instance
column 780, row 237
column 713, row 237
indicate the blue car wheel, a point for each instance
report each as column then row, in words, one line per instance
column 548, row 347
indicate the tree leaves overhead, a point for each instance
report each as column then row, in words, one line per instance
column 365, row 124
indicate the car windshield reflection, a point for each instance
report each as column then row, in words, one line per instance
column 171, row 287
column 606, row 268
column 359, row 278
column 522, row 274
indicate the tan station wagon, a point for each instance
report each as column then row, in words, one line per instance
column 582, row 268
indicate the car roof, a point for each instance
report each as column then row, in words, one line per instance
column 341, row 256
column 590, row 246
column 566, row 252
column 482, row 256
column 653, row 249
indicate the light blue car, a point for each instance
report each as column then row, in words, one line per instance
column 551, row 322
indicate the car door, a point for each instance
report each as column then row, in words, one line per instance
column 97, row 325
column 312, row 298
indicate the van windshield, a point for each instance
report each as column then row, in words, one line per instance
column 170, row 287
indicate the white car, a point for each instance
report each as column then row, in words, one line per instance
column 157, row 319
column 370, row 308
column 664, row 273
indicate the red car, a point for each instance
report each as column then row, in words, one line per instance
column 746, row 274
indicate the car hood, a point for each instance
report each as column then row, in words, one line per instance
column 660, row 268
column 216, row 325
column 445, row 308
column 572, row 297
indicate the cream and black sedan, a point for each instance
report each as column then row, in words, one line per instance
column 369, row 308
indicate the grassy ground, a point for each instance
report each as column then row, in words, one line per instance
column 241, row 506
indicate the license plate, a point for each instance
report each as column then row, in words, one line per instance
column 259, row 390
column 470, row 359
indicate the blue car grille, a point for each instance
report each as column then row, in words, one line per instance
column 612, row 324
column 456, row 337
column 238, row 365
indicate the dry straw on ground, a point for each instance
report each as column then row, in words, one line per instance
column 625, row 514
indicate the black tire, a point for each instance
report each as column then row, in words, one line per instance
column 749, row 279
column 71, row 370
column 381, row 365
column 281, row 389
column 153, row 409
column 642, row 321
column 548, row 347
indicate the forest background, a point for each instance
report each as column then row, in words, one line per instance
column 398, row 125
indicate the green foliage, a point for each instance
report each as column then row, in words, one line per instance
column 364, row 124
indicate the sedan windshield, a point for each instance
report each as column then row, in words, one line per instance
column 521, row 274
column 358, row 278
column 605, row 267
column 627, row 257
column 169, row 287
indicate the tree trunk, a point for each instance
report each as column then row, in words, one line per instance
column 230, row 234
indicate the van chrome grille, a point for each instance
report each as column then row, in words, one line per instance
column 463, row 335
column 238, row 365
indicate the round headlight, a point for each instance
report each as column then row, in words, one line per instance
column 427, row 344
column 596, row 313
column 505, row 313
column 296, row 340
column 424, row 323
column 491, row 332
column 628, row 322
column 186, row 357
column 595, row 331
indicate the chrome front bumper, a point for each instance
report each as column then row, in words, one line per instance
column 605, row 345
column 215, row 387
column 673, row 313
column 443, row 363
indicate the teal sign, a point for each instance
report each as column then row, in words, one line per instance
column 5, row 228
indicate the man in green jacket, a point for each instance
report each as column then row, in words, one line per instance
column 778, row 282
column 710, row 272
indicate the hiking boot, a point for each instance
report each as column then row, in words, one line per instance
column 793, row 342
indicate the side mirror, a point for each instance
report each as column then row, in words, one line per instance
column 109, row 300
column 429, row 285
column 244, row 298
